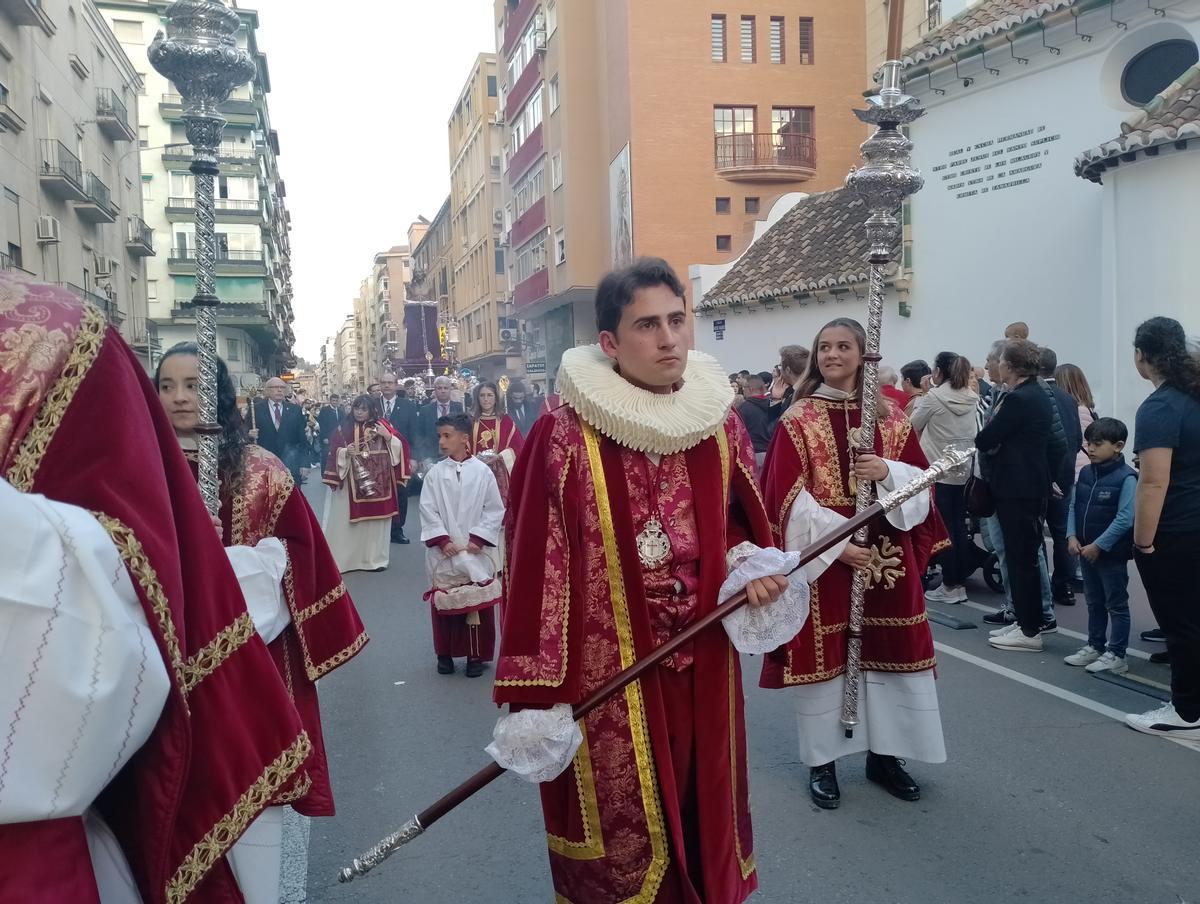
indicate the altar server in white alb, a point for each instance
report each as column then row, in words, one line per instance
column 461, row 521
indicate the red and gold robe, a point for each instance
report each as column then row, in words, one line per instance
column 495, row 434
column 325, row 630
column 659, row 785
column 364, row 506
column 81, row 424
column 809, row 452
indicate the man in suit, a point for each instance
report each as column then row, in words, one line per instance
column 328, row 416
column 402, row 415
column 518, row 407
column 427, row 417
column 1064, row 476
column 280, row 426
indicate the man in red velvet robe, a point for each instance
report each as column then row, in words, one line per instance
column 624, row 506
column 216, row 755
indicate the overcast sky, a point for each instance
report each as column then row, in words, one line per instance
column 360, row 97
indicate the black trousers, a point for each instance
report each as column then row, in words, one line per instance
column 1021, row 526
column 1170, row 580
column 399, row 519
column 1064, row 562
column 952, row 506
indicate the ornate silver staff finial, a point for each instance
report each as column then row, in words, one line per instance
column 883, row 183
column 199, row 54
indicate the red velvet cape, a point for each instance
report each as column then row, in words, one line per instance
column 387, row 477
column 576, row 614
column 810, row 452
column 81, row 424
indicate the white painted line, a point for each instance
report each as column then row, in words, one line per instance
column 1067, row 632
column 1046, row 688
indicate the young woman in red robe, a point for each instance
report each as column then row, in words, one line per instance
column 495, row 436
column 810, row 480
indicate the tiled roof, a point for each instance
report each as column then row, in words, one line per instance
column 821, row 243
column 984, row 19
column 1174, row 115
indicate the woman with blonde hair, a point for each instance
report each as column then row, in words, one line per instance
column 1070, row 379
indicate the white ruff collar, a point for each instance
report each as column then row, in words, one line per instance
column 641, row 420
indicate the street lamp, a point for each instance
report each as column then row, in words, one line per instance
column 200, row 56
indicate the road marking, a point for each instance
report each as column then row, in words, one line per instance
column 1046, row 688
column 1131, row 651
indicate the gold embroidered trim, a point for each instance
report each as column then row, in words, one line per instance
column 86, row 348
column 320, row 605
column 315, row 672
column 283, row 494
column 216, row 651
column 901, row 667
column 134, row 556
column 745, row 864
column 302, row 788
column 939, row 546
column 592, row 845
column 896, row 622
column 644, row 759
column 723, row 448
column 217, row 841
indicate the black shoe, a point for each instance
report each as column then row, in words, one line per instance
column 1065, row 596
column 1003, row 617
column 1162, row 657
column 1049, row 626
column 823, row 786
column 1154, row 635
column 400, row 539
column 889, row 772
column 474, row 668
column 445, row 665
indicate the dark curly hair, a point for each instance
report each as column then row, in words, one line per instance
column 231, row 457
column 1164, row 346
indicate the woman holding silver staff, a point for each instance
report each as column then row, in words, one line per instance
column 810, row 480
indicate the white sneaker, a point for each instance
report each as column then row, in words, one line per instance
column 1109, row 662
column 943, row 594
column 1165, row 722
column 1007, row 629
column 1084, row 656
column 1016, row 641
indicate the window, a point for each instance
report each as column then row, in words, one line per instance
column 747, row 39
column 724, row 243
column 526, row 121
column 752, row 205
column 525, row 51
column 152, row 289
column 560, row 247
column 807, row 42
column 499, row 261
column 143, row 136
column 551, row 17
column 791, row 121
column 718, row 39
column 232, row 350
column 128, row 31
column 12, row 226
column 777, row 39
column 733, row 120
column 147, row 189
column 478, row 328
column 492, row 89
column 1155, row 68
column 734, row 127
column 554, row 94
column 529, row 190
column 556, row 172
column 723, row 205
column 531, row 258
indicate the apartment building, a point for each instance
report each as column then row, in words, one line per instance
column 622, row 144
column 391, row 274
column 348, row 372
column 72, row 207
column 253, row 277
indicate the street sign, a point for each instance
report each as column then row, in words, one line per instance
column 535, row 367
column 718, row 329
column 287, row 376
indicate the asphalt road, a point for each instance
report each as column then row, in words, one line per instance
column 1046, row 796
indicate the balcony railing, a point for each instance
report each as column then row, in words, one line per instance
column 767, row 155
column 237, row 204
column 143, row 334
column 103, row 302
column 61, row 173
column 139, row 237
column 223, row 254
column 112, row 117
column 225, row 151
column 98, row 206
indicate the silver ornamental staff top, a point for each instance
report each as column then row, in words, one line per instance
column 199, row 54
column 883, row 183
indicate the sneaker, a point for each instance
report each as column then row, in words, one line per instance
column 1064, row 596
column 944, row 594
column 1007, row 629
column 1050, row 626
column 1165, row 722
column 1154, row 635
column 1016, row 641
column 1002, row 617
column 1109, row 662
column 1083, row 656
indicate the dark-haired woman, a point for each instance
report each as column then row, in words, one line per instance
column 945, row 417
column 810, row 479
column 1166, row 527
column 293, row 592
column 367, row 464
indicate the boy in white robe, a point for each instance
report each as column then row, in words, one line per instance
column 461, row 521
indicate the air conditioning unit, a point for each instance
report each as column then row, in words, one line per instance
column 49, row 232
column 510, row 336
column 498, row 217
column 498, row 118
column 104, row 265
column 539, row 40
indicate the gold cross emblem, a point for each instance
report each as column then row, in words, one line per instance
column 886, row 565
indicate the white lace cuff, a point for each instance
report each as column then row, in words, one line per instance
column 761, row 629
column 536, row 744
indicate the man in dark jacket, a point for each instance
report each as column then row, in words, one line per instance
column 328, row 416
column 280, row 426
column 402, row 415
column 755, row 412
column 1067, row 411
column 427, row 417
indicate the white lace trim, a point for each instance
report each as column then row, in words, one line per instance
column 641, row 420
column 451, row 599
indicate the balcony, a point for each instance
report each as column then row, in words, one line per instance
column 227, row 210
column 182, row 262
column 61, row 173
column 527, row 224
column 10, row 119
column 139, row 238
column 531, row 290
column 254, row 316
column 112, row 117
column 103, row 302
column 520, row 92
column 98, row 206
column 766, row 157
column 238, row 112
column 526, row 155
column 143, row 335
column 515, row 24
column 27, row 12
column 239, row 156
